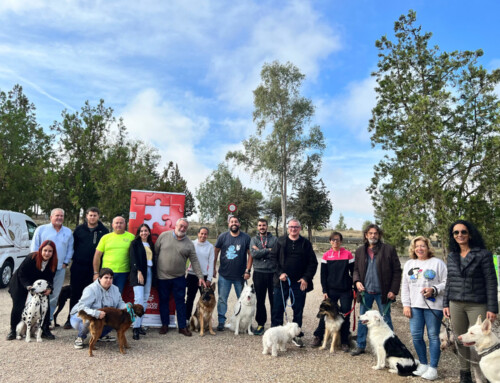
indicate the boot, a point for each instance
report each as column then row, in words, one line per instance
column 11, row 335
column 46, row 334
column 136, row 335
column 465, row 376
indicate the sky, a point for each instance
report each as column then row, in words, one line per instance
column 181, row 73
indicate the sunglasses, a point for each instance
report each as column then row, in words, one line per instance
column 463, row 232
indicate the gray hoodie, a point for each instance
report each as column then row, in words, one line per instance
column 94, row 297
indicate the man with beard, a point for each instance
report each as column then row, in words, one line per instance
column 377, row 277
column 260, row 247
column 234, row 268
column 86, row 237
column 172, row 250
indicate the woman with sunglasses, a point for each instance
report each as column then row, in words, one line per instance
column 471, row 285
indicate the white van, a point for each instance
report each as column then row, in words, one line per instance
column 16, row 232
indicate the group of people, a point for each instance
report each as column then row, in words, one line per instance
column 283, row 268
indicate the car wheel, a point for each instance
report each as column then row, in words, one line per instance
column 6, row 273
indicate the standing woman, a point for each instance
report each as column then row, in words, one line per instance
column 205, row 254
column 471, row 285
column 337, row 266
column 141, row 275
column 41, row 264
column 424, row 280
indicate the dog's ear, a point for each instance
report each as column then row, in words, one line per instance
column 479, row 319
column 486, row 326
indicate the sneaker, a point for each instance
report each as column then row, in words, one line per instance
column 259, row 331
column 357, row 351
column 421, row 369
column 78, row 343
column 316, row 342
column 107, row 338
column 142, row 331
column 430, row 374
column 11, row 335
column 298, row 341
column 220, row 327
column 345, row 348
column 46, row 334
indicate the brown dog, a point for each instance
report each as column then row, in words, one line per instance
column 201, row 320
column 120, row 320
column 333, row 322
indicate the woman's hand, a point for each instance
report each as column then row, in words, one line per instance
column 140, row 277
column 446, row 312
column 407, row 311
column 47, row 292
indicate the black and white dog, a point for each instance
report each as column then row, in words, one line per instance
column 387, row 346
column 34, row 312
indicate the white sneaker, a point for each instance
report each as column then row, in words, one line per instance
column 78, row 343
column 421, row 369
column 430, row 374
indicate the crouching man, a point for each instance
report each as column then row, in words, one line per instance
column 101, row 293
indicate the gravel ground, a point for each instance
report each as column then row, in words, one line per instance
column 175, row 358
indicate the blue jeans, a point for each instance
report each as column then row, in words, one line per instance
column 57, row 285
column 83, row 328
column 119, row 280
column 176, row 286
column 224, row 286
column 299, row 301
column 421, row 318
column 141, row 296
column 362, row 329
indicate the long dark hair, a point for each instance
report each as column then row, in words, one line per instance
column 475, row 237
column 37, row 255
column 138, row 237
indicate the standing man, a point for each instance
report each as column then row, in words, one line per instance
column 112, row 250
column 296, row 265
column 63, row 238
column 260, row 248
column 234, row 268
column 377, row 277
column 172, row 250
column 86, row 237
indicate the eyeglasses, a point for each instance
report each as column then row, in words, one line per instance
column 294, row 227
column 463, row 232
column 336, row 240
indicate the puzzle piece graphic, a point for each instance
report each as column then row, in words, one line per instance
column 156, row 214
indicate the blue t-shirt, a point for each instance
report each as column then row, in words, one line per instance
column 233, row 254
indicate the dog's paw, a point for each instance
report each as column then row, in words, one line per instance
column 332, row 351
column 39, row 340
column 377, row 367
column 392, row 371
column 212, row 332
column 202, row 334
column 322, row 348
column 19, row 337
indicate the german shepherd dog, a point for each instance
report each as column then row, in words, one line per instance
column 201, row 320
column 333, row 321
column 120, row 320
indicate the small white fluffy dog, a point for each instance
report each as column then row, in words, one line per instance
column 387, row 346
column 244, row 311
column 487, row 346
column 34, row 312
column 276, row 338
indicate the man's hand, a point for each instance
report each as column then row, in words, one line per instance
column 391, row 296
column 201, row 282
column 208, row 283
column 283, row 277
column 255, row 247
column 102, row 314
column 325, row 296
column 246, row 276
column 303, row 284
column 360, row 286
column 47, row 292
column 215, row 272
column 491, row 316
column 446, row 312
column 95, row 276
column 407, row 311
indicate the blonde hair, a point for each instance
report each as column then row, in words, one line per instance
column 411, row 249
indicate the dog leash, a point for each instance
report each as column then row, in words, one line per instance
column 387, row 306
column 290, row 295
column 352, row 310
column 131, row 312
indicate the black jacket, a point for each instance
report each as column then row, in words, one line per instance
column 307, row 268
column 26, row 274
column 138, row 261
column 85, row 243
column 476, row 282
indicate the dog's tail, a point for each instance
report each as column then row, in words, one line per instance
column 82, row 314
column 406, row 370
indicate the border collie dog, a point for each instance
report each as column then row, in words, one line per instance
column 387, row 346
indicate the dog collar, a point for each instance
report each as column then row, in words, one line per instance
column 131, row 312
column 490, row 350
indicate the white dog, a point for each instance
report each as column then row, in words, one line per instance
column 487, row 346
column 244, row 311
column 34, row 312
column 276, row 338
column 387, row 346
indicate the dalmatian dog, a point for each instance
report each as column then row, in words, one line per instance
column 34, row 311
